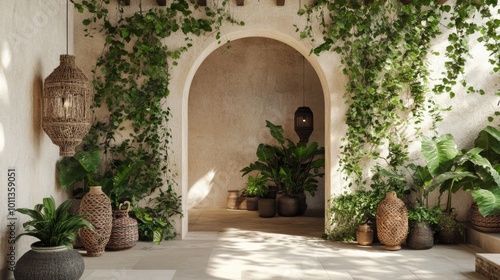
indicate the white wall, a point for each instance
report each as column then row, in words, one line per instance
column 32, row 36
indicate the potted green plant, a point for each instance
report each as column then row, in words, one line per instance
column 266, row 203
column 255, row 189
column 80, row 168
column 154, row 219
column 447, row 172
column 52, row 257
column 292, row 168
column 485, row 187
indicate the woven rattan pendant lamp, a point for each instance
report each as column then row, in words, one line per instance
column 66, row 103
column 304, row 118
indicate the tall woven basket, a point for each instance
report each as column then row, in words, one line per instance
column 125, row 232
column 392, row 222
column 97, row 206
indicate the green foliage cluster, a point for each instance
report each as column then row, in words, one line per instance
column 469, row 19
column 348, row 210
column 53, row 226
column 383, row 47
column 131, row 83
column 155, row 219
column 291, row 168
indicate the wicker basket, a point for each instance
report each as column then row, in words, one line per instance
column 392, row 222
column 97, row 206
column 490, row 223
column 125, row 232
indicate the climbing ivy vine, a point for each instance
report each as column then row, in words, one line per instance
column 384, row 46
column 131, row 83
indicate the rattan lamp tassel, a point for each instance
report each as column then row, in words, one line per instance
column 66, row 105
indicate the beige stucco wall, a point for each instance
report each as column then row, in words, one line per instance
column 237, row 88
column 195, row 102
column 32, row 36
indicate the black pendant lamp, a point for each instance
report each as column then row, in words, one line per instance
column 304, row 118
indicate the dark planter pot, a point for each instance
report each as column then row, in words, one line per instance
column 49, row 263
column 420, row 236
column 252, row 203
column 267, row 207
column 288, row 206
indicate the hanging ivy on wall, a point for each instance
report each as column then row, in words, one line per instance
column 383, row 47
column 131, row 83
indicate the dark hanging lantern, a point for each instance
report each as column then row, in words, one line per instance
column 304, row 118
column 66, row 104
column 304, row 123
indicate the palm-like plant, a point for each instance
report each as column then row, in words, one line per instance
column 53, row 226
column 292, row 168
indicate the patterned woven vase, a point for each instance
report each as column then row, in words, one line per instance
column 125, row 231
column 97, row 206
column 392, row 222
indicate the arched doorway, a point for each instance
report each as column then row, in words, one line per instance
column 235, row 89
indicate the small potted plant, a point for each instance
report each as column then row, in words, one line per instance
column 53, row 256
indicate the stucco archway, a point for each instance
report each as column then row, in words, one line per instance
column 202, row 56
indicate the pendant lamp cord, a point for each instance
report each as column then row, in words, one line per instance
column 303, row 71
column 67, row 28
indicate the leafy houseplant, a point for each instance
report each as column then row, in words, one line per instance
column 291, row 168
column 485, row 188
column 82, row 167
column 154, row 220
column 52, row 256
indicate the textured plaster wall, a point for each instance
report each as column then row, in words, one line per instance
column 237, row 88
column 197, row 93
column 32, row 36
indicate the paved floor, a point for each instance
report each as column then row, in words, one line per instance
column 238, row 245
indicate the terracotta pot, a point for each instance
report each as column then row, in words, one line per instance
column 364, row 235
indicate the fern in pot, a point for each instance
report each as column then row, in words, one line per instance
column 53, row 256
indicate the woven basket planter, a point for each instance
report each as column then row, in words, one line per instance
column 420, row 236
column 392, row 222
column 490, row 223
column 125, row 232
column 97, row 206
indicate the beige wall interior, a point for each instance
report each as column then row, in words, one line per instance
column 237, row 88
column 220, row 99
column 32, row 36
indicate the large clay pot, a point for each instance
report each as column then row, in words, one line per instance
column 421, row 236
column 49, row 263
column 97, row 206
column 267, row 207
column 392, row 222
column 288, row 206
column 125, row 231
